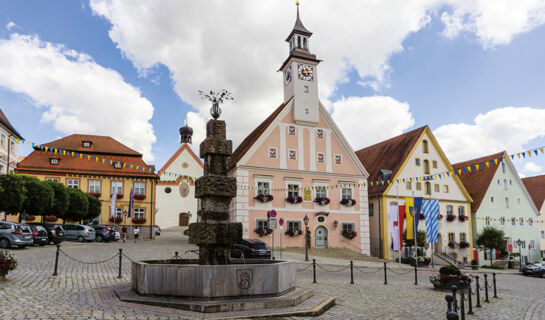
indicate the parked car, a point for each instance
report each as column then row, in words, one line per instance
column 39, row 234
column 13, row 234
column 104, row 233
column 54, row 233
column 251, row 249
column 536, row 269
column 117, row 235
column 79, row 232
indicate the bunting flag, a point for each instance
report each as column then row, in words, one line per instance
column 131, row 202
column 431, row 214
column 393, row 223
column 112, row 206
column 401, row 212
column 408, row 207
column 417, row 209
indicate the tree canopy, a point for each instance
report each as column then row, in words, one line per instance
column 39, row 196
column 78, row 206
column 13, row 196
column 61, row 200
column 491, row 238
column 95, row 207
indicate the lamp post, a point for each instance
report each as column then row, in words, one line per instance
column 412, row 212
column 305, row 220
column 519, row 243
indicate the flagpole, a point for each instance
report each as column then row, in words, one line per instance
column 398, row 220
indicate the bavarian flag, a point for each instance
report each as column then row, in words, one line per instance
column 409, row 202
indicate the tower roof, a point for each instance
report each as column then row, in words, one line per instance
column 298, row 27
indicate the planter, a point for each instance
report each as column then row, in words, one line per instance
column 294, row 233
column 451, row 218
column 139, row 220
column 348, row 202
column 452, row 245
column 30, row 218
column 440, row 217
column 50, row 218
column 263, row 232
column 95, row 194
column 322, row 201
column 119, row 196
column 445, row 282
column 463, row 245
column 294, row 200
column 349, row 234
column 462, row 218
column 264, row 197
column 116, row 220
column 139, row 196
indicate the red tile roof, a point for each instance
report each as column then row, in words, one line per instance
column 4, row 121
column 536, row 188
column 389, row 154
column 476, row 182
column 249, row 141
column 104, row 147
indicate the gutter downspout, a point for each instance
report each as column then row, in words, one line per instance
column 380, row 254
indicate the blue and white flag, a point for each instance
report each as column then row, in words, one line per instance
column 431, row 214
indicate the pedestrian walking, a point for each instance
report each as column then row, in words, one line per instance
column 124, row 232
column 136, row 233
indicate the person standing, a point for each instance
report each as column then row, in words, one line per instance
column 124, row 232
column 136, row 233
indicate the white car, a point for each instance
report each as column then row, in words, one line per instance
column 117, row 236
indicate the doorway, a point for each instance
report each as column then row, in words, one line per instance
column 321, row 237
column 183, row 219
column 438, row 246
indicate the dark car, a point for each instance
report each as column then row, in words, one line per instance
column 104, row 233
column 39, row 234
column 251, row 249
column 536, row 269
column 55, row 233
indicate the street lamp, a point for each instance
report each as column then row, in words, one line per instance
column 413, row 213
column 305, row 220
column 519, row 243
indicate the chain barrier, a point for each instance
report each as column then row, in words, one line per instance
column 323, row 268
column 368, row 272
column 309, row 265
column 85, row 262
column 400, row 273
column 126, row 256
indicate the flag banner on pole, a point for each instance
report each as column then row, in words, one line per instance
column 417, row 210
column 112, row 207
column 131, row 202
column 408, row 207
column 393, row 224
column 401, row 221
column 431, row 212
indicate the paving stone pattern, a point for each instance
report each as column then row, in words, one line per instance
column 85, row 291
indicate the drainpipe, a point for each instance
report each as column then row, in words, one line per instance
column 152, row 212
column 380, row 254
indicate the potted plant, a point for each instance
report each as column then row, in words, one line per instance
column 448, row 276
column 348, row 202
column 294, row 200
column 450, row 217
column 116, row 219
column 462, row 218
column 95, row 194
column 119, row 195
column 322, row 201
column 139, row 220
column 349, row 234
column 440, row 217
column 293, row 233
column 139, row 196
column 8, row 262
column 30, row 218
column 264, row 197
column 452, row 245
column 50, row 218
column 263, row 231
column 463, row 244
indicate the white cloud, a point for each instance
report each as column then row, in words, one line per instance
column 10, row 25
column 494, row 22
column 507, row 128
column 77, row 94
column 531, row 167
column 365, row 121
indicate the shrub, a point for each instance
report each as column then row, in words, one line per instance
column 494, row 266
column 8, row 262
column 450, row 270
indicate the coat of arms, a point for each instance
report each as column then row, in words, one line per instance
column 245, row 278
column 291, row 130
column 319, row 133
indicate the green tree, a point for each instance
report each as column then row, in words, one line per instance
column 39, row 196
column 95, row 207
column 420, row 238
column 491, row 238
column 77, row 209
column 14, row 194
column 61, row 200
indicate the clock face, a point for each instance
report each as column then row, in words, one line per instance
column 305, row 72
column 287, row 75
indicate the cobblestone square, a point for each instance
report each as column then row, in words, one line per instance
column 85, row 291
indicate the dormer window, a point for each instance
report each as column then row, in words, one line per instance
column 54, row 161
column 87, row 144
column 118, row 165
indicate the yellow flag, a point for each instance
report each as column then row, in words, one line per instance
column 409, row 202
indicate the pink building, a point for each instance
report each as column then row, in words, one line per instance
column 300, row 158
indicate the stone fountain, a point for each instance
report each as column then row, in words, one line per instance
column 215, row 282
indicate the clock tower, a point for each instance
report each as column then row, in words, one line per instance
column 300, row 75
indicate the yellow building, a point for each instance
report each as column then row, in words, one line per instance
column 98, row 165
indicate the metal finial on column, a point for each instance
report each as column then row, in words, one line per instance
column 216, row 98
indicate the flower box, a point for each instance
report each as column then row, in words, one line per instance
column 294, row 233
column 439, row 217
column 116, row 220
column 30, row 218
column 322, row 201
column 50, row 218
column 463, row 244
column 452, row 245
column 462, row 218
column 450, row 218
column 294, row 200
column 95, row 194
column 139, row 196
column 8, row 262
column 348, row 202
column 262, row 231
column 119, row 195
column 139, row 220
column 264, row 197
column 349, row 234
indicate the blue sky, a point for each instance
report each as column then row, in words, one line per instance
column 445, row 80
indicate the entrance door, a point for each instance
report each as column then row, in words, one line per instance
column 321, row 237
column 183, row 220
column 438, row 245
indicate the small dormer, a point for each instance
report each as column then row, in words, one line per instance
column 384, row 174
column 87, row 144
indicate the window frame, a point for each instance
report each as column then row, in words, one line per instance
column 426, row 166
column 409, row 185
column 425, row 146
column 419, row 186
column 290, row 223
column 445, row 188
column 320, row 188
column 451, row 210
column 72, row 180
column 141, row 214
column 352, row 226
column 417, row 162
column 298, row 184
column 260, row 190
column 342, row 193
column 263, row 222
column 427, row 188
column 134, row 186
column 89, row 185
column 437, row 187
column 112, row 186
column 453, row 237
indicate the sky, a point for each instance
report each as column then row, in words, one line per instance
column 473, row 70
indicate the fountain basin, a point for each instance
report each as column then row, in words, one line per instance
column 186, row 278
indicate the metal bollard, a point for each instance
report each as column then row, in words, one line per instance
column 120, row 257
column 454, row 288
column 416, row 271
column 314, row 270
column 351, row 272
column 452, row 316
column 462, row 304
column 449, row 300
column 494, row 281
column 57, row 259
column 478, row 305
column 176, row 256
column 486, row 288
column 385, row 274
column 469, row 299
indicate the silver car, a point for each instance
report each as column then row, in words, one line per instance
column 13, row 234
column 78, row 232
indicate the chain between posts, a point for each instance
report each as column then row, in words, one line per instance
column 400, row 273
column 86, row 262
column 308, row 266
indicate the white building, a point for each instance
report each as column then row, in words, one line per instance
column 8, row 137
column 401, row 159
column 536, row 188
column 176, row 204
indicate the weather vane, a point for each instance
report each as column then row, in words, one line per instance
column 216, row 98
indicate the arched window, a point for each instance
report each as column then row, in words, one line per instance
column 427, row 188
column 425, row 146
column 449, row 211
column 426, row 167
column 305, row 43
column 461, row 211
column 298, row 42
